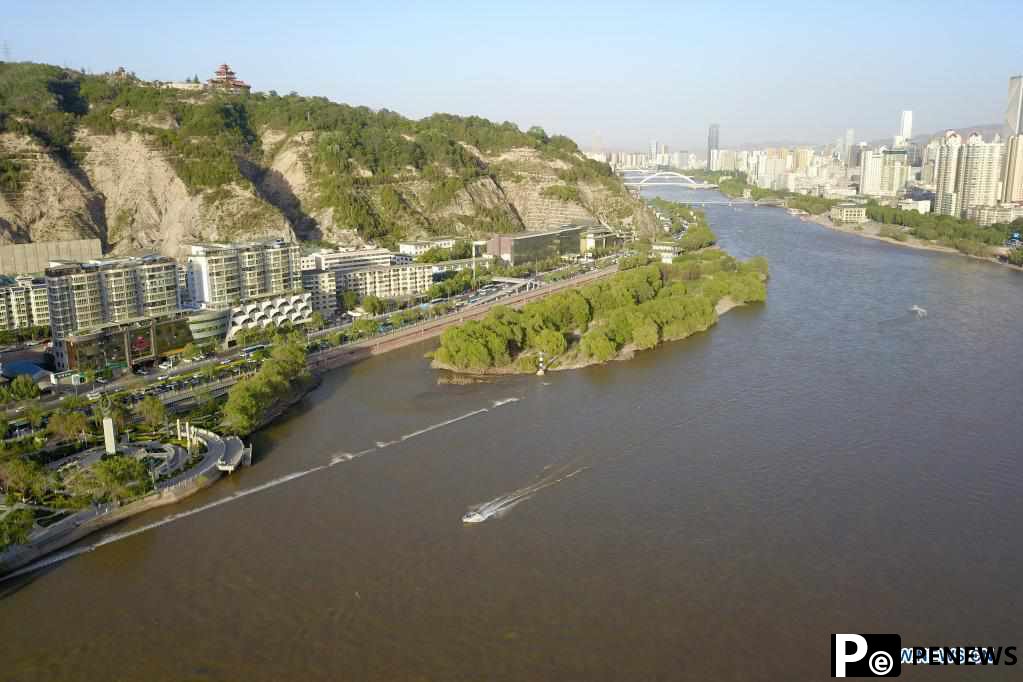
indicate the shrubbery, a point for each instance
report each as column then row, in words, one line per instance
column 641, row 307
column 249, row 400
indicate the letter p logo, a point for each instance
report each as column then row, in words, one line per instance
column 865, row 655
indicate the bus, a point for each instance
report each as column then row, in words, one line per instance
column 252, row 350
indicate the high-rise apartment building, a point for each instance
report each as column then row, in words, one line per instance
column 850, row 134
column 1014, row 111
column 24, row 304
column 946, row 174
column 894, row 171
column 1012, row 178
column 905, row 129
column 870, row 172
column 85, row 296
column 980, row 170
column 713, row 133
column 223, row 275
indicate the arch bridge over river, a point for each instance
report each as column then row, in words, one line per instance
column 635, row 177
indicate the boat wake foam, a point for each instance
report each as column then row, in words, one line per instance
column 499, row 506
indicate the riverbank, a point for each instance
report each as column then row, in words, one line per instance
column 872, row 230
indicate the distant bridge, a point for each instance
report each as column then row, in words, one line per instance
column 661, row 179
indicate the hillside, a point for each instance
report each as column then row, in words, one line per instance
column 141, row 168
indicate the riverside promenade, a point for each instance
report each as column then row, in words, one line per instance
column 69, row 530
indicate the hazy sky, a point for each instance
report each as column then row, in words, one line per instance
column 613, row 75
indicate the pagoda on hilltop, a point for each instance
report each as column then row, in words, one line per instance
column 225, row 79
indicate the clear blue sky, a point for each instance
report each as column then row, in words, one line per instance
column 615, row 74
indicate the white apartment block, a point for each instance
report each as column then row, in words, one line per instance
column 24, row 304
column 322, row 288
column 353, row 259
column 418, row 248
column 225, row 275
column 980, row 170
column 391, row 282
column 946, row 174
column 989, row 215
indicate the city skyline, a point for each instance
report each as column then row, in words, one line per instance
column 430, row 62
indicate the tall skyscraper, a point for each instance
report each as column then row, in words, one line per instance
column 906, row 126
column 980, row 169
column 946, row 173
column 870, row 172
column 1014, row 112
column 1012, row 179
column 850, row 134
column 653, row 150
column 712, row 141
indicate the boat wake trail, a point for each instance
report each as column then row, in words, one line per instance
column 499, row 506
column 335, row 459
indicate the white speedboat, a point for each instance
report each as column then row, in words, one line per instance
column 473, row 517
column 920, row 312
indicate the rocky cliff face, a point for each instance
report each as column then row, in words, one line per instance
column 124, row 191
column 52, row 201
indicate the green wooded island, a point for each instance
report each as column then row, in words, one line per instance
column 641, row 306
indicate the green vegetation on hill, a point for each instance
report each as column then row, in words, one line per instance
column 361, row 162
column 561, row 192
column 639, row 307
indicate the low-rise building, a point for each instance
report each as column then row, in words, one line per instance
column 353, row 259
column 126, row 343
column 989, row 215
column 848, row 213
column 16, row 259
column 392, row 282
column 918, row 205
column 43, row 378
column 530, row 247
column 599, row 238
column 418, row 248
column 666, row 251
column 272, row 310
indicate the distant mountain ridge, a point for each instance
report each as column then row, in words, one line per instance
column 148, row 168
